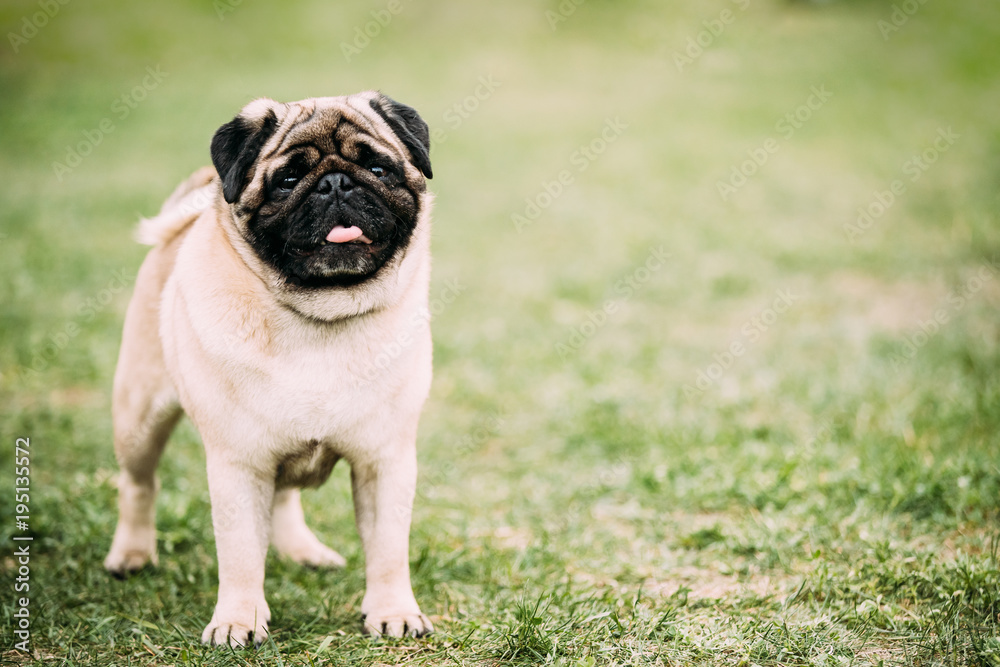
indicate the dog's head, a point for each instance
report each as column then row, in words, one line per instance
column 327, row 191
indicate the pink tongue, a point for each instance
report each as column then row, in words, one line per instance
column 343, row 234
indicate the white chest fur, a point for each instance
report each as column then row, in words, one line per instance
column 289, row 392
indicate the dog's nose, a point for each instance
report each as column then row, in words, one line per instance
column 335, row 182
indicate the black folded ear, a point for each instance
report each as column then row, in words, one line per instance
column 237, row 144
column 410, row 128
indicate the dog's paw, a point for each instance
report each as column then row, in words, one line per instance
column 313, row 554
column 396, row 625
column 237, row 635
column 243, row 628
column 124, row 561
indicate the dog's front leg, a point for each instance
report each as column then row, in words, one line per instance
column 383, row 501
column 241, row 514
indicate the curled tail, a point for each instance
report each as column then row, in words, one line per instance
column 182, row 207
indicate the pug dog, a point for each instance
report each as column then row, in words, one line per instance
column 276, row 283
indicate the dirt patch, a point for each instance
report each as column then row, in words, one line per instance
column 707, row 584
column 868, row 305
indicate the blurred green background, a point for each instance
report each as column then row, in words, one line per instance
column 720, row 383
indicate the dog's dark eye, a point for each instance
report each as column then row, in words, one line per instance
column 289, row 175
column 378, row 171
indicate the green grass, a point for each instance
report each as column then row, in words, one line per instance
column 830, row 497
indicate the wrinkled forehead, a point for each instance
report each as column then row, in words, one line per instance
column 333, row 124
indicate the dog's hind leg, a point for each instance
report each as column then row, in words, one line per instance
column 145, row 410
column 138, row 450
column 291, row 536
